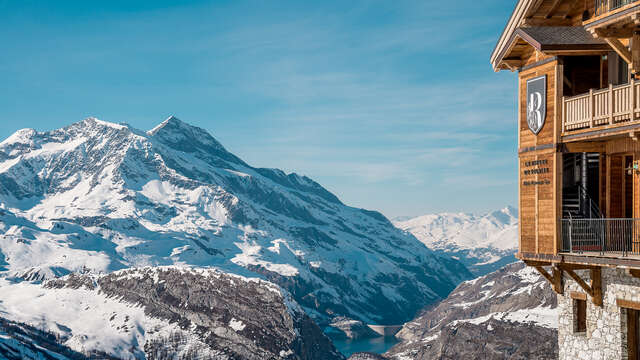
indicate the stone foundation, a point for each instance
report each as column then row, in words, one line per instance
column 606, row 334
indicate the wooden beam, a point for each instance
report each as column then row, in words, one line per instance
column 512, row 64
column 555, row 280
column 594, row 289
column 566, row 266
column 536, row 263
column 544, row 273
column 628, row 304
column 619, row 48
column 585, row 147
column 596, row 286
column 635, row 52
column 578, row 295
column 612, row 32
column 580, row 282
column 553, row 8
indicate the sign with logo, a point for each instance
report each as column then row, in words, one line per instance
column 536, row 103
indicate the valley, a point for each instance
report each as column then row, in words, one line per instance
column 97, row 198
column 97, row 202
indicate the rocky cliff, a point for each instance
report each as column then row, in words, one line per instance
column 161, row 313
column 508, row 314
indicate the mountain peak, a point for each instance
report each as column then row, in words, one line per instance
column 94, row 121
column 185, row 137
column 22, row 136
column 171, row 121
column 174, row 127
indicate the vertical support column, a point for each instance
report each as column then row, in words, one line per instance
column 558, row 123
column 592, row 108
column 635, row 53
column 596, row 286
column 610, row 104
column 632, row 92
column 557, row 280
column 608, row 186
column 635, row 242
column 584, row 181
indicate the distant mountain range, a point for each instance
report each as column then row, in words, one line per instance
column 483, row 243
column 97, row 197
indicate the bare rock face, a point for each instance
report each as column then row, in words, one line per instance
column 345, row 328
column 174, row 312
column 508, row 314
column 21, row 341
column 366, row 356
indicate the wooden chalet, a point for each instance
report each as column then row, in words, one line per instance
column 578, row 65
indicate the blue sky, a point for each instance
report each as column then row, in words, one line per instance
column 392, row 105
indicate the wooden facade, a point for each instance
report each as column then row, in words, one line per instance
column 579, row 174
column 539, row 166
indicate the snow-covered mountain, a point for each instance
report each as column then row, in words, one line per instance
column 509, row 314
column 483, row 243
column 101, row 197
column 156, row 313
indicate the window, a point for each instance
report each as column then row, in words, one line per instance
column 579, row 316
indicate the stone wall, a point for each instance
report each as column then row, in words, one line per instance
column 605, row 337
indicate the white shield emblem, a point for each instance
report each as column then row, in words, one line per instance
column 536, row 103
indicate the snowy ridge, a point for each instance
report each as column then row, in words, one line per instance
column 483, row 243
column 101, row 197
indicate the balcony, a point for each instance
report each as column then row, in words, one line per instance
column 601, row 237
column 605, row 6
column 599, row 109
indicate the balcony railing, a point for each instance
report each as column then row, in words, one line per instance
column 616, row 237
column 604, row 6
column 597, row 108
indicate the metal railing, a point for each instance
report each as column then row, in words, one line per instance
column 604, row 236
column 588, row 207
column 604, row 6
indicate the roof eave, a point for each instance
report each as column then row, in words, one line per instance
column 518, row 14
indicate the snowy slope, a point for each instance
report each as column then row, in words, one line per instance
column 160, row 312
column 511, row 313
column 96, row 196
column 483, row 243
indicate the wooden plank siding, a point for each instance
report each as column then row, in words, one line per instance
column 615, row 208
column 539, row 210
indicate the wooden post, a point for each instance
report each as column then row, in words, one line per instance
column 592, row 108
column 596, row 286
column 608, row 186
column 610, row 104
column 632, row 115
column 635, row 52
column 565, row 115
column 557, row 280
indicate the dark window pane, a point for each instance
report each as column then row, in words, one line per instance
column 581, row 315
